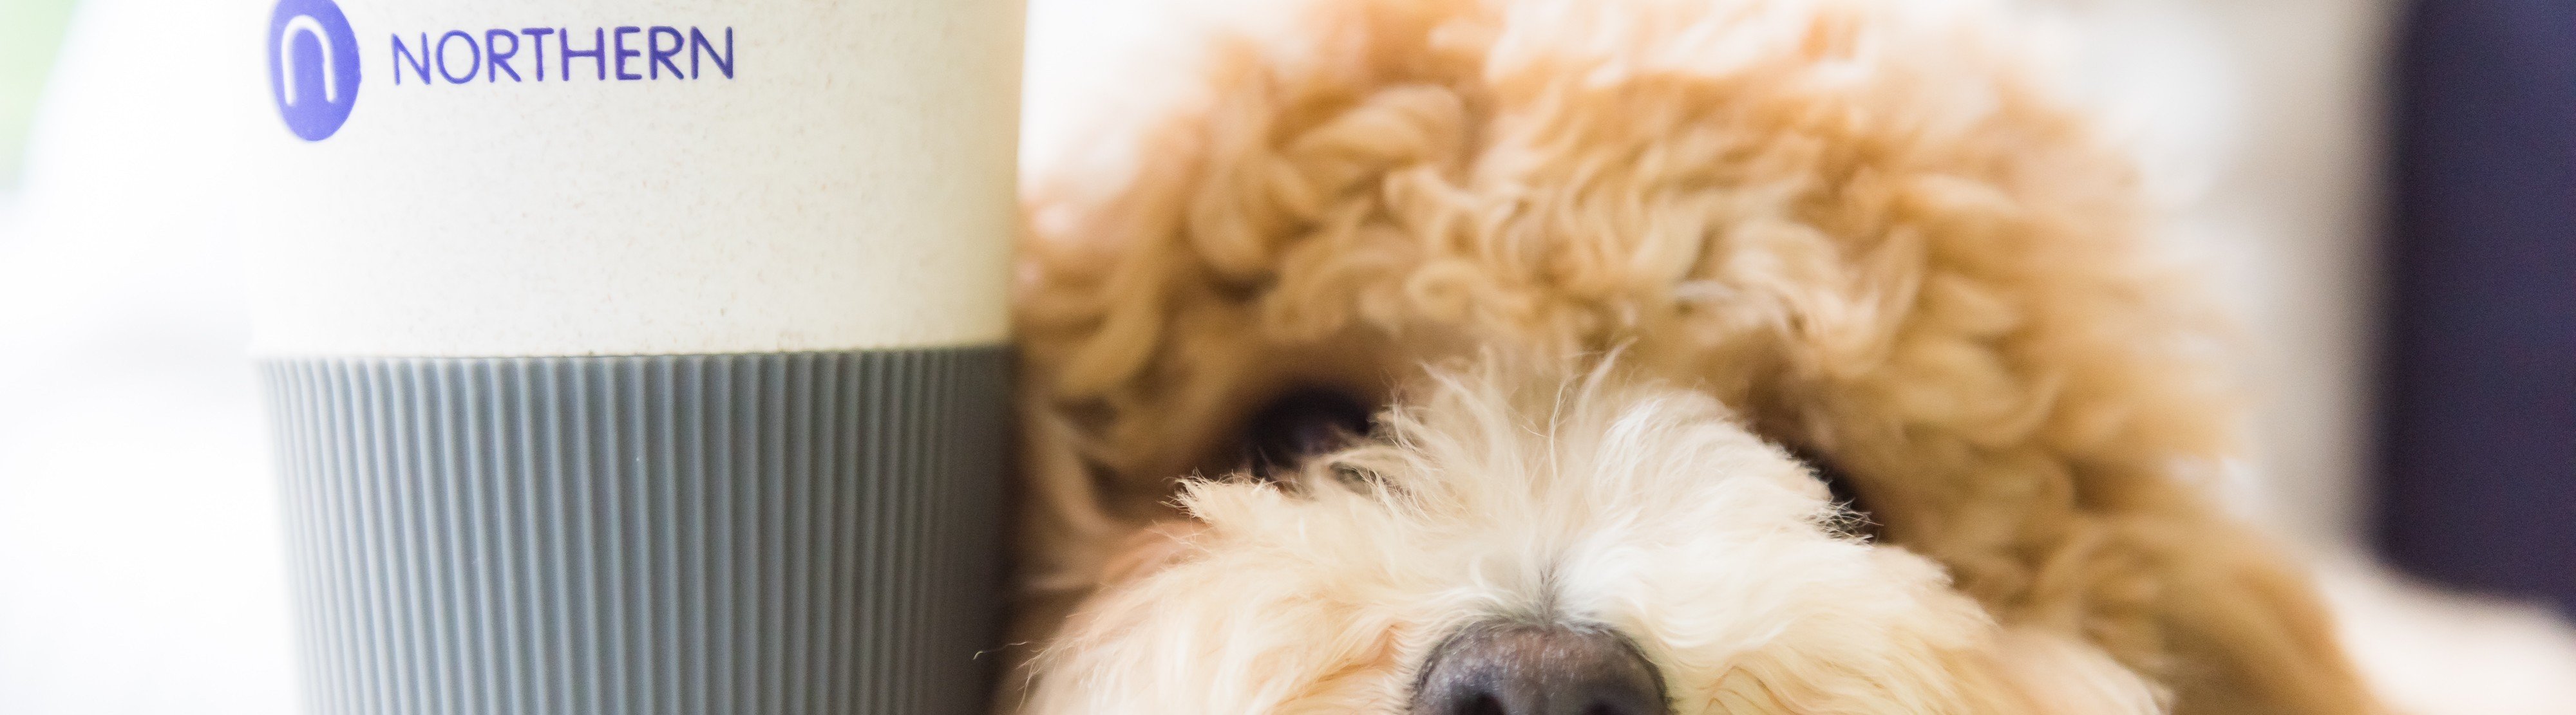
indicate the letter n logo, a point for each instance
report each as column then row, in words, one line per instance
column 312, row 66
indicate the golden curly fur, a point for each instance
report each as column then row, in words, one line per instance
column 1860, row 224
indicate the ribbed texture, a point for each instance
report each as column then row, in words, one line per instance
column 786, row 533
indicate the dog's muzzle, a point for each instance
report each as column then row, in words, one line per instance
column 1535, row 669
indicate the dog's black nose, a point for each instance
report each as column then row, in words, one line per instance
column 1522, row 669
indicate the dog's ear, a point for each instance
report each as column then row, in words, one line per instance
column 2043, row 673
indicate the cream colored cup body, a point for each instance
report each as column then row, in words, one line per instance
column 722, row 177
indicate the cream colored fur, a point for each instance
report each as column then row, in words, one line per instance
column 1859, row 224
column 1550, row 497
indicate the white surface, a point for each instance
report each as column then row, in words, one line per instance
column 851, row 186
column 2432, row 652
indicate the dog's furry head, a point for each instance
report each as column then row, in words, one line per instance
column 1860, row 224
column 1546, row 498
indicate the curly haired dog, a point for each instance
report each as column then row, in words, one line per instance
column 1859, row 231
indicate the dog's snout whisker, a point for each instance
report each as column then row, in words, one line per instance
column 1530, row 669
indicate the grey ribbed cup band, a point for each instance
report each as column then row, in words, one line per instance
column 779, row 533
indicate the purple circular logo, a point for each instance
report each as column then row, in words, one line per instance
column 312, row 66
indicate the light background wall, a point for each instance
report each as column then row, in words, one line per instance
column 140, row 566
column 2258, row 122
column 30, row 32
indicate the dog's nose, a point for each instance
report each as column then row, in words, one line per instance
column 1522, row 669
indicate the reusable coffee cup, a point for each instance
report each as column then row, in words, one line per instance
column 638, row 357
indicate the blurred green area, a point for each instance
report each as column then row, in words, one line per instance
column 31, row 33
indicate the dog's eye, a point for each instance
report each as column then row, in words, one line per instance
column 1858, row 520
column 1300, row 424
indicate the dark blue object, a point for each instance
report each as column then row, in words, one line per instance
column 2480, row 398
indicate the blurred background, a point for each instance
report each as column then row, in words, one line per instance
column 2383, row 193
